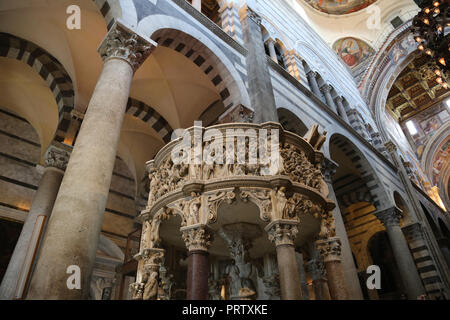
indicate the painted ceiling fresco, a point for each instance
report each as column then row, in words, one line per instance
column 352, row 51
column 339, row 6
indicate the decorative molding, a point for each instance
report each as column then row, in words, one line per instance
column 197, row 237
column 282, row 232
column 330, row 249
column 56, row 157
column 390, row 217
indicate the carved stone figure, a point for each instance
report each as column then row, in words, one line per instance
column 151, row 285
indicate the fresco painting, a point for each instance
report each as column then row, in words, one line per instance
column 339, row 6
column 352, row 51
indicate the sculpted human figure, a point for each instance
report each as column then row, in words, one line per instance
column 192, row 210
column 151, row 286
column 281, row 203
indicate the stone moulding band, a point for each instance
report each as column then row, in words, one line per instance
column 267, row 183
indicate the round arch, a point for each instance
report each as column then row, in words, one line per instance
column 196, row 46
column 49, row 69
column 346, row 153
column 291, row 122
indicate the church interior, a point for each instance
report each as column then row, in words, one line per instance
column 128, row 130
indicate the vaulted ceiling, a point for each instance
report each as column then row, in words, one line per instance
column 415, row 90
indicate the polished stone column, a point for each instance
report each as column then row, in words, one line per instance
column 17, row 275
column 198, row 239
column 312, row 79
column 259, row 80
column 74, row 228
column 272, row 52
column 330, row 251
column 417, row 214
column 316, row 270
column 408, row 272
column 302, row 275
column 350, row 273
column 341, row 109
column 283, row 233
column 326, row 90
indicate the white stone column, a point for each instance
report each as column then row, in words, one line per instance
column 272, row 52
column 74, row 228
column 312, row 77
column 326, row 90
column 14, row 282
column 341, row 109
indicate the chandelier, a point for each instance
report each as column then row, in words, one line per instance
column 431, row 29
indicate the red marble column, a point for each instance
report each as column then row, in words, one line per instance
column 198, row 238
column 197, row 275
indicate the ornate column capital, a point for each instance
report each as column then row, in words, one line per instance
column 282, row 232
column 312, row 75
column 329, row 249
column 339, row 99
column 123, row 43
column 197, row 237
column 57, row 157
column 326, row 88
column 389, row 217
column 329, row 168
column 390, row 146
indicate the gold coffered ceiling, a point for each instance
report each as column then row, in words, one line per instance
column 415, row 90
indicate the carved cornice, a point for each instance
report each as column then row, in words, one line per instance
column 330, row 249
column 197, row 237
column 246, row 12
column 389, row 217
column 282, row 232
column 123, row 43
column 56, row 158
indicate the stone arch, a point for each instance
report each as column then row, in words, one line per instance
column 367, row 175
column 50, row 70
column 291, row 122
column 431, row 221
column 150, row 116
column 197, row 47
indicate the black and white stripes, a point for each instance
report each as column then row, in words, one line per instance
column 205, row 59
column 147, row 114
column 53, row 73
column 367, row 174
column 105, row 9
